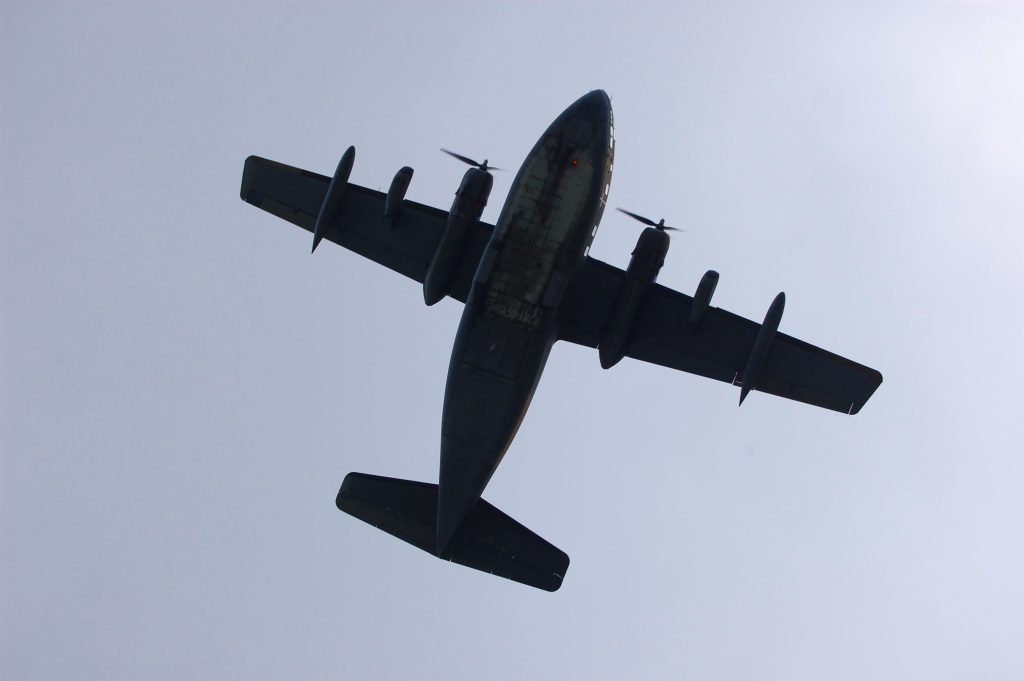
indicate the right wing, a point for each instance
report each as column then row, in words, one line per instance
column 719, row 347
column 405, row 246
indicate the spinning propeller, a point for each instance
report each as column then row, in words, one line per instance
column 647, row 221
column 465, row 159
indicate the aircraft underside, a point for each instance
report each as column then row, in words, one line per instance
column 526, row 282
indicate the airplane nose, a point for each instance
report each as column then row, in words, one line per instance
column 586, row 121
column 593, row 106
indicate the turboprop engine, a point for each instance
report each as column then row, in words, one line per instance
column 470, row 200
column 647, row 261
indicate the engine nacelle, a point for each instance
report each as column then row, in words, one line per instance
column 471, row 198
column 649, row 255
column 647, row 261
column 396, row 193
column 467, row 208
column 332, row 199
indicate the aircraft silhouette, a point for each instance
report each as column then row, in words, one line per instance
column 527, row 282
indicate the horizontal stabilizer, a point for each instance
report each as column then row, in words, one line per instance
column 488, row 540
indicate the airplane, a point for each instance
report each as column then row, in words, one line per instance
column 526, row 282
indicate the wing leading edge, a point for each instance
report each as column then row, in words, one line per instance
column 405, row 244
column 719, row 347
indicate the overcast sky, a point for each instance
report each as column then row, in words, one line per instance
column 185, row 387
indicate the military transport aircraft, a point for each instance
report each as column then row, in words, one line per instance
column 527, row 282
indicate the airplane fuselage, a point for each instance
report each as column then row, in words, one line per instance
column 513, row 312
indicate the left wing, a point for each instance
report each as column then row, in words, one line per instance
column 719, row 347
column 405, row 245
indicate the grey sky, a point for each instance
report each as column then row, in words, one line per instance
column 185, row 387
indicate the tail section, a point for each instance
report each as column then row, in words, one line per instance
column 488, row 540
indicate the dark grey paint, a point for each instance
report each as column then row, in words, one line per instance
column 527, row 282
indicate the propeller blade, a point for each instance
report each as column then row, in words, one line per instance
column 465, row 159
column 647, row 221
column 641, row 218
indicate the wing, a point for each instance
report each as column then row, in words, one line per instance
column 405, row 245
column 719, row 347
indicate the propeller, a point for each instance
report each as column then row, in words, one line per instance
column 465, row 159
column 647, row 221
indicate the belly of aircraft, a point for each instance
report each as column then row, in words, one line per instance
column 507, row 328
column 548, row 208
column 508, row 325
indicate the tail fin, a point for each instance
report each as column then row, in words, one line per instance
column 489, row 540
